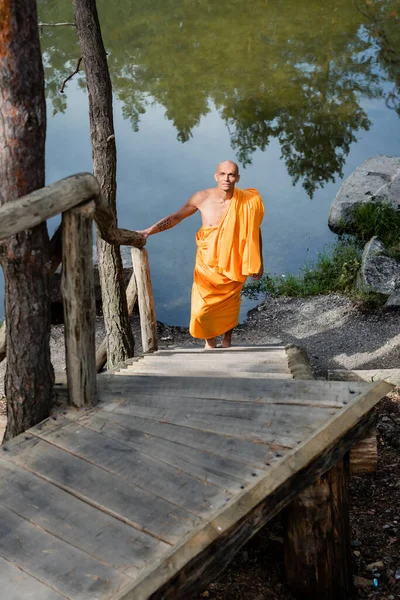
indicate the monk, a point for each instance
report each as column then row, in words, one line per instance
column 229, row 248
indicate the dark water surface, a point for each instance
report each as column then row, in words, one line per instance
column 296, row 92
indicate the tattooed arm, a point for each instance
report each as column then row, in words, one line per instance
column 170, row 221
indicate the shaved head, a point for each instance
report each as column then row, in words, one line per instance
column 228, row 165
column 226, row 176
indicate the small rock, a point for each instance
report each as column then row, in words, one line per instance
column 375, row 565
column 361, row 582
column 355, row 543
column 357, row 553
column 205, row 594
column 391, row 597
column 397, row 575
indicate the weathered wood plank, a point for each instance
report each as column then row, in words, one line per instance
column 240, row 421
column 105, row 491
column 224, row 472
column 59, row 565
column 232, row 358
column 209, row 366
column 148, row 321
column 233, row 389
column 236, row 408
column 18, row 585
column 197, row 561
column 102, row 536
column 111, row 398
column 149, row 474
column 205, row 374
column 259, row 451
column 77, row 287
column 201, row 350
column 35, row 208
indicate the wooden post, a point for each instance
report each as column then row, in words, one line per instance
column 77, row 287
column 131, row 297
column 148, row 322
column 364, row 455
column 317, row 545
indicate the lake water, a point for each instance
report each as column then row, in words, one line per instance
column 293, row 91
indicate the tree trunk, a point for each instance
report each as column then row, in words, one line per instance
column 120, row 343
column 29, row 375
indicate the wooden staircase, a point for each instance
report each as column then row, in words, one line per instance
column 188, row 453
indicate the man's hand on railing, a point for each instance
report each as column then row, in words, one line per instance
column 144, row 232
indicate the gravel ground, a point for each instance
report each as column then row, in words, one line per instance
column 335, row 332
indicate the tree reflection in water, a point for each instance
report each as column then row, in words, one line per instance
column 296, row 70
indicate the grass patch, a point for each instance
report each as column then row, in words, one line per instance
column 380, row 219
column 335, row 269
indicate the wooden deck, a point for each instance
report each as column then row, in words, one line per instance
column 187, row 455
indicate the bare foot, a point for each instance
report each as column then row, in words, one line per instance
column 210, row 344
column 227, row 339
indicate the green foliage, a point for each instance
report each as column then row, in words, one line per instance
column 334, row 271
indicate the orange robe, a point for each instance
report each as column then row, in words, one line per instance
column 226, row 255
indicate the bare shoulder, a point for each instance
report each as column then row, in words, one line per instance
column 198, row 198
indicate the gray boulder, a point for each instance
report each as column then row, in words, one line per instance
column 376, row 180
column 393, row 301
column 378, row 273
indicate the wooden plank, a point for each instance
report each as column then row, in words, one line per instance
column 224, row 472
column 149, row 474
column 18, row 585
column 198, row 559
column 102, row 536
column 233, row 389
column 201, row 350
column 210, row 366
column 148, row 321
column 28, row 211
column 223, row 407
column 105, row 491
column 204, row 374
column 237, row 421
column 258, row 451
column 111, row 398
column 232, row 358
column 77, row 287
column 57, row 564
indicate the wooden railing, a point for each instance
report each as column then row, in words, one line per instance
column 79, row 200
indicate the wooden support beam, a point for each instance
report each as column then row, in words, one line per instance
column 77, row 287
column 148, row 322
column 38, row 206
column 317, row 540
column 131, row 297
column 364, row 455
